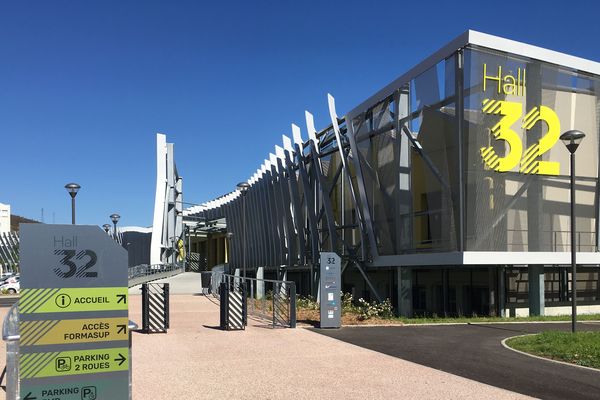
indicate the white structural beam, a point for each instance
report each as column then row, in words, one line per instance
column 159, row 199
column 310, row 128
column 167, row 222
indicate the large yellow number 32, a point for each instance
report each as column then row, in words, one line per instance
column 530, row 163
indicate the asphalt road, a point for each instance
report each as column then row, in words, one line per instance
column 475, row 352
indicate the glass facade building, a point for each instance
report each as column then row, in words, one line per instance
column 447, row 191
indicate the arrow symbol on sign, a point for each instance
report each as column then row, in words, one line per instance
column 27, row 397
column 121, row 359
column 122, row 329
column 122, row 298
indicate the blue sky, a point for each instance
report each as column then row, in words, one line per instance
column 85, row 85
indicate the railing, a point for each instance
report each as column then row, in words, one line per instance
column 559, row 241
column 271, row 300
column 10, row 334
column 149, row 272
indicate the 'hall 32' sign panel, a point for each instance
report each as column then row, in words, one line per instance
column 73, row 314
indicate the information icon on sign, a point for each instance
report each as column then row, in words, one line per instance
column 63, row 300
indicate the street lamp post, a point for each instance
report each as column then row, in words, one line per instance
column 72, row 188
column 106, row 228
column 115, row 218
column 243, row 188
column 571, row 139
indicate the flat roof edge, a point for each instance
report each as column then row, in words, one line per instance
column 534, row 52
column 483, row 40
column 458, row 42
column 481, row 258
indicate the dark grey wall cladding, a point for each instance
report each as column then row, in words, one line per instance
column 138, row 247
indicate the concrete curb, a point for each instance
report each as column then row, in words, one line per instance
column 503, row 342
column 458, row 323
column 502, row 323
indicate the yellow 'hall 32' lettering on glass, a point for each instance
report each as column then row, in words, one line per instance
column 505, row 83
column 530, row 162
column 511, row 112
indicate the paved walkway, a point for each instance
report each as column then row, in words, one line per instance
column 474, row 351
column 196, row 361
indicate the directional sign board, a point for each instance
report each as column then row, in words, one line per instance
column 73, row 314
column 331, row 276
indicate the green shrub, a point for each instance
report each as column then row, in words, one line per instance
column 307, row 303
column 363, row 308
column 348, row 303
column 373, row 309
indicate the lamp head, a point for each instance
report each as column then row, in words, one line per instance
column 243, row 187
column 106, row 227
column 115, row 218
column 72, row 188
column 572, row 139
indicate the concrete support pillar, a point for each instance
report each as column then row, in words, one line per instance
column 502, row 291
column 536, row 289
column 283, row 278
column 210, row 252
column 219, row 256
column 260, row 285
column 492, row 276
column 445, row 302
column 405, row 303
column 460, row 306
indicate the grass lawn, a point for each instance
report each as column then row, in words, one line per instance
column 311, row 317
column 433, row 320
column 582, row 348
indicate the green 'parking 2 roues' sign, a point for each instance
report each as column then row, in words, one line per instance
column 73, row 314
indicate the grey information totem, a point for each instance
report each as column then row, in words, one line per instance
column 331, row 277
column 73, row 314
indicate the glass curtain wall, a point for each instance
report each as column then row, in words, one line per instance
column 407, row 146
column 516, row 169
column 432, row 131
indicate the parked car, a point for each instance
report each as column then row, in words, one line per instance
column 6, row 275
column 11, row 285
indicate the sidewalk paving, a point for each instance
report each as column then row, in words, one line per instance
column 196, row 361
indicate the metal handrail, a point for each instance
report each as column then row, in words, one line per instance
column 282, row 291
column 151, row 269
column 257, row 279
column 148, row 272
